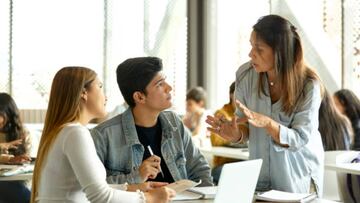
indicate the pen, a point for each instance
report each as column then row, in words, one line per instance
column 152, row 153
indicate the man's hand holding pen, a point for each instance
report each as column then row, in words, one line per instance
column 150, row 167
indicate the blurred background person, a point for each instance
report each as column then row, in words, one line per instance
column 349, row 105
column 195, row 116
column 15, row 149
column 335, row 128
column 227, row 112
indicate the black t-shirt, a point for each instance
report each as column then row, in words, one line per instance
column 152, row 137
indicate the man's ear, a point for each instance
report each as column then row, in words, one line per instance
column 139, row 97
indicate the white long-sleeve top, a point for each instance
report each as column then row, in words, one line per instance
column 73, row 172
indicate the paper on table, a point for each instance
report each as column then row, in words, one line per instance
column 182, row 185
column 11, row 171
column 186, row 195
column 208, row 192
column 280, row 196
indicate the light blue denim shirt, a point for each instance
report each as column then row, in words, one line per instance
column 288, row 169
column 121, row 152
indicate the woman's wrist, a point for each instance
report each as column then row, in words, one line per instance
column 240, row 139
column 272, row 128
column 243, row 131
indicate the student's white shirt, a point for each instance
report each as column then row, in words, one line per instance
column 73, row 172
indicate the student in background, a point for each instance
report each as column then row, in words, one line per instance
column 195, row 116
column 335, row 128
column 279, row 97
column 15, row 148
column 227, row 112
column 122, row 142
column 349, row 105
column 14, row 138
column 67, row 168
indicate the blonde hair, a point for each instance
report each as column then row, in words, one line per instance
column 64, row 107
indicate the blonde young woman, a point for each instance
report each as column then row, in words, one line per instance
column 67, row 167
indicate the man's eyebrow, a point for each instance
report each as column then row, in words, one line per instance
column 160, row 80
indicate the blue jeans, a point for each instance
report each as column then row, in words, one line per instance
column 14, row 191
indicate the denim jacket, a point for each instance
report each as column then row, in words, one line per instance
column 121, row 152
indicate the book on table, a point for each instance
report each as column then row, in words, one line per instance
column 11, row 170
column 207, row 192
column 182, row 185
column 187, row 190
column 280, row 196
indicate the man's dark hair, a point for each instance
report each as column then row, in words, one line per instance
column 135, row 74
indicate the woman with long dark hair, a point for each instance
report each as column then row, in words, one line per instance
column 278, row 99
column 335, row 128
column 15, row 149
column 349, row 105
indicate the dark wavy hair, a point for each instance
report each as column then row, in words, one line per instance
column 13, row 127
column 350, row 102
column 335, row 129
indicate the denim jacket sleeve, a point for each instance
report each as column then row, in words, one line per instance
column 103, row 149
column 196, row 164
column 116, row 177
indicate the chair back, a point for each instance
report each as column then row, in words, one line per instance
column 349, row 184
column 331, row 191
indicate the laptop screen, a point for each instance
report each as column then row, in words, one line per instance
column 238, row 181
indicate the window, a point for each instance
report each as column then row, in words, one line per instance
column 234, row 25
column 319, row 24
column 47, row 36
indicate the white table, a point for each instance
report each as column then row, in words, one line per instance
column 353, row 168
column 229, row 152
column 25, row 176
column 212, row 201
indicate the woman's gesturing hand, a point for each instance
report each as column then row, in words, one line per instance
column 255, row 119
column 262, row 121
column 229, row 130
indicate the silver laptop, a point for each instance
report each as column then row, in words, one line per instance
column 237, row 182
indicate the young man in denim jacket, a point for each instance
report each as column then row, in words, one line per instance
column 123, row 142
